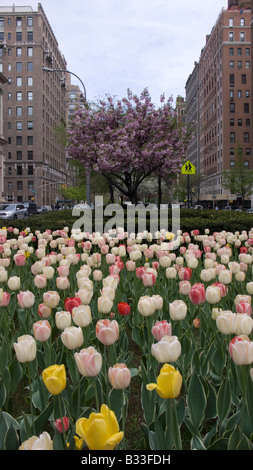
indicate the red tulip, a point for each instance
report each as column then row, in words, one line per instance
column 71, row 302
column 123, row 308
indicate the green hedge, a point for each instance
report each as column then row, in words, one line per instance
column 189, row 220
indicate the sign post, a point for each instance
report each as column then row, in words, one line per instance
column 188, row 169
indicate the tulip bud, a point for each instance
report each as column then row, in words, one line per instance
column 54, row 378
column 161, row 329
column 58, row 424
column 241, row 350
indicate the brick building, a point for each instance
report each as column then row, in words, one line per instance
column 34, row 104
column 224, row 80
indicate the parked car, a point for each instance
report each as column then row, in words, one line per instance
column 227, row 208
column 43, row 209
column 250, row 211
column 31, row 207
column 198, row 206
column 13, row 211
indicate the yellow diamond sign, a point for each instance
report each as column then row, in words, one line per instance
column 188, row 169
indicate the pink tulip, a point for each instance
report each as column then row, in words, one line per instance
column 6, row 299
column 51, row 299
column 185, row 274
column 107, row 331
column 58, row 424
column 161, row 329
column 148, row 279
column 197, row 294
column 25, row 299
column 63, row 270
column 19, row 260
column 40, row 281
column 244, row 307
column 119, row 376
column 88, row 361
column 241, row 350
column 42, row 330
column 44, row 311
column 184, row 287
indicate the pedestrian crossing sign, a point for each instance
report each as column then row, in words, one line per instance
column 188, row 169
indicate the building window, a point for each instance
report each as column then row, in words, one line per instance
column 9, row 185
column 246, row 107
column 239, row 64
column 239, row 93
column 242, row 36
column 9, row 170
column 231, row 22
column 232, row 122
column 246, row 164
column 248, row 151
column 19, row 21
column 19, row 36
column 244, row 79
column 19, row 52
column 29, row 81
column 30, row 155
column 30, row 170
column 231, row 64
column 247, row 122
column 19, row 111
column 246, row 137
column 30, row 111
column 247, row 93
column 239, row 51
column 19, row 96
column 19, row 125
column 19, row 185
column 232, row 136
column 19, row 67
column 242, row 22
column 29, row 66
column 19, row 155
column 231, row 51
column 231, row 36
column 30, row 51
column 231, row 94
column 247, row 51
column 30, row 125
column 247, row 64
column 19, row 140
column 30, row 95
column 232, row 163
column 29, row 140
column 232, row 107
column 239, row 122
column 30, row 36
column 19, row 170
column 30, row 186
column 19, row 81
column 30, row 21
column 231, row 79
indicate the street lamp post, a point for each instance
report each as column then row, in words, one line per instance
column 46, row 69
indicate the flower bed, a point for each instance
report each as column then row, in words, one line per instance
column 91, row 323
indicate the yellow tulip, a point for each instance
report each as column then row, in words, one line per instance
column 101, row 430
column 54, row 378
column 169, row 382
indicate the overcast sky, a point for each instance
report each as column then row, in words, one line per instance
column 113, row 45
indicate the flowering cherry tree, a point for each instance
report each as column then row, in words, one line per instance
column 128, row 140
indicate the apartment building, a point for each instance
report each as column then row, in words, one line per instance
column 224, row 94
column 192, row 115
column 34, row 105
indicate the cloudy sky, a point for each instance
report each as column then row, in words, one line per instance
column 113, row 45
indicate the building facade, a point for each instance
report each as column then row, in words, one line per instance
column 34, row 105
column 224, row 78
column 192, row 115
column 3, row 142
